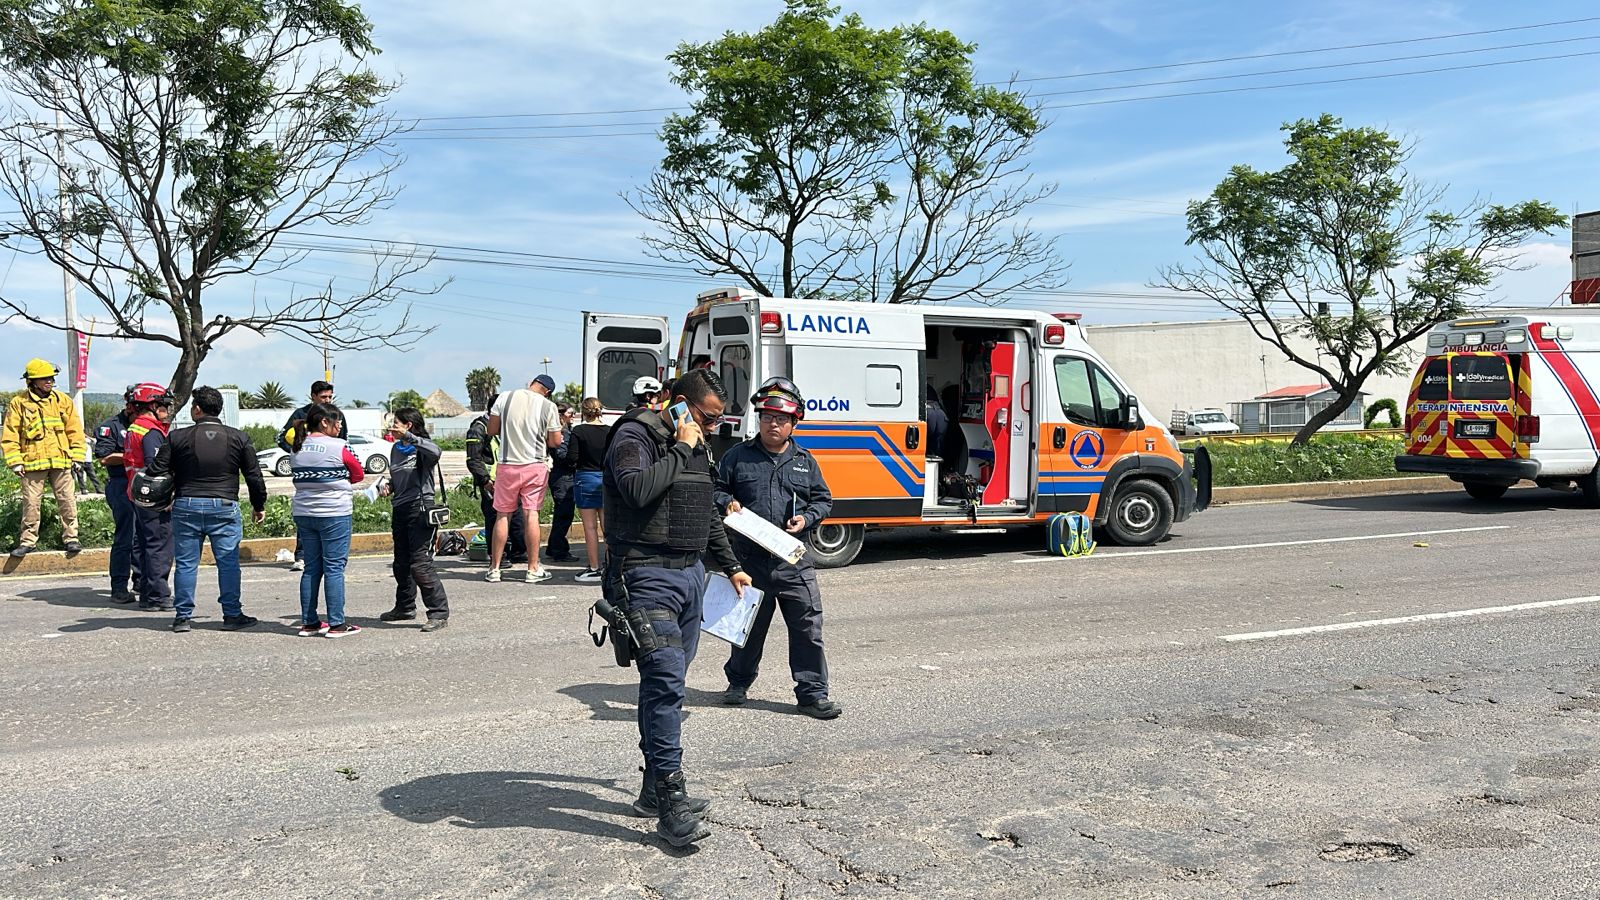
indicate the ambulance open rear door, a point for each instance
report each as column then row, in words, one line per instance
column 617, row 350
column 734, row 348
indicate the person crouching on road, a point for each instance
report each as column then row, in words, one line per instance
column 325, row 475
column 589, row 439
column 153, row 547
column 42, row 441
column 413, row 470
column 206, row 461
column 775, row 478
column 660, row 519
column 110, row 438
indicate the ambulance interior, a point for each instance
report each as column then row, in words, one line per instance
column 978, row 375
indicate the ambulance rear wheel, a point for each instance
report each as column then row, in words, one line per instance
column 835, row 546
column 1141, row 513
column 1483, row 490
column 1590, row 486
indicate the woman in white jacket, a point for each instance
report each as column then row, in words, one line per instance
column 325, row 473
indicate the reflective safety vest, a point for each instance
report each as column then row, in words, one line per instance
column 42, row 433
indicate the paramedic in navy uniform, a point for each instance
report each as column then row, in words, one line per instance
column 773, row 477
column 660, row 519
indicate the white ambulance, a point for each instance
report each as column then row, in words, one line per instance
column 1509, row 397
column 1038, row 422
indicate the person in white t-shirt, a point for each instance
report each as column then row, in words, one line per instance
column 528, row 425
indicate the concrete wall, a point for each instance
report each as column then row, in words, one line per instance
column 1192, row 365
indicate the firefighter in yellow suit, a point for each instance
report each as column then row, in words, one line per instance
column 43, row 442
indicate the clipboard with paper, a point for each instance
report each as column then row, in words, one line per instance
column 769, row 536
column 726, row 614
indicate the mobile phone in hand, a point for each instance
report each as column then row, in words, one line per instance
column 679, row 413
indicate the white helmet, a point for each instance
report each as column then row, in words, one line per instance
column 646, row 384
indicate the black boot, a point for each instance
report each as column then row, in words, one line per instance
column 677, row 825
column 646, row 807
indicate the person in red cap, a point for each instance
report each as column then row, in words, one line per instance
column 775, row 478
column 152, row 545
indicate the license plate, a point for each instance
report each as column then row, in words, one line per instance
column 1474, row 429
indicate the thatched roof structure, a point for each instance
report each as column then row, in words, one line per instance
column 441, row 404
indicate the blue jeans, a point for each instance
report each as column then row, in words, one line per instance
column 193, row 520
column 325, row 541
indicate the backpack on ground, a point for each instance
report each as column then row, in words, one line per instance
column 478, row 547
column 1069, row 534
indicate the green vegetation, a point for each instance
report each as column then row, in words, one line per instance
column 1385, row 405
column 1328, row 457
column 262, row 437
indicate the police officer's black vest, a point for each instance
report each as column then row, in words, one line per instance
column 679, row 521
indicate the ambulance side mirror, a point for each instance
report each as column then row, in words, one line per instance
column 1131, row 420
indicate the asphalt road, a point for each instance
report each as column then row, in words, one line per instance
column 1132, row 724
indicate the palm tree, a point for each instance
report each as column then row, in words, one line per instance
column 481, row 383
column 359, row 404
column 271, row 395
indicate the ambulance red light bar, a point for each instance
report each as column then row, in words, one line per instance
column 1055, row 335
column 1068, row 317
column 771, row 323
column 1528, row 429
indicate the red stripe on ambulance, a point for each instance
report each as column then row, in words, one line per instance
column 1577, row 388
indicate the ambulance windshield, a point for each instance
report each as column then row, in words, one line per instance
column 1479, row 378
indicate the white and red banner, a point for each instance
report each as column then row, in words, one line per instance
column 81, row 376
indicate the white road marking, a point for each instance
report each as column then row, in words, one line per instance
column 1332, row 540
column 1402, row 620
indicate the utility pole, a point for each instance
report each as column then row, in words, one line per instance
column 69, row 284
column 327, row 358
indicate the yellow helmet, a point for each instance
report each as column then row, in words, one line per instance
column 38, row 368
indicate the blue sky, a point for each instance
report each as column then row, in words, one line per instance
column 1125, row 170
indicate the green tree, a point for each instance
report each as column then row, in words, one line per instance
column 403, row 398
column 821, row 157
column 481, row 385
column 571, row 394
column 1346, row 252
column 199, row 138
column 270, row 395
column 358, row 404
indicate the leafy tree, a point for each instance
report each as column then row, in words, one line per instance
column 481, row 385
column 1346, row 249
column 198, row 137
column 571, row 394
column 821, row 157
column 404, row 398
column 270, row 395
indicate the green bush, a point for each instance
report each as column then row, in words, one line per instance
column 262, row 437
column 1326, row 458
column 452, row 443
column 1383, row 406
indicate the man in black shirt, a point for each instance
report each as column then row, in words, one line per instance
column 205, row 462
column 563, row 471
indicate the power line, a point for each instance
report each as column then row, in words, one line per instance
column 1269, row 87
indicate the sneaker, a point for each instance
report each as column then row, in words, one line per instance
column 734, row 696
column 235, row 623
column 180, row 626
column 534, row 576
column 822, row 709
column 492, row 576
column 21, row 550
column 73, row 548
column 589, row 576
column 123, row 597
column 343, row 630
column 433, row 625
column 395, row 615
column 156, row 605
column 313, row 629
column 298, row 565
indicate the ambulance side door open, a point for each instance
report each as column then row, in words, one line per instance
column 734, row 349
column 617, row 350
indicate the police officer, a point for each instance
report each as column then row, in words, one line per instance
column 153, row 544
column 110, row 439
column 659, row 520
column 563, row 475
column 775, row 478
column 483, row 451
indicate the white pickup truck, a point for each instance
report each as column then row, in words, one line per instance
column 1202, row 422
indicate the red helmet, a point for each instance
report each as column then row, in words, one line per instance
column 779, row 395
column 150, row 392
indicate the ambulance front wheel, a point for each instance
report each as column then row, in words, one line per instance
column 835, row 546
column 1484, row 490
column 1141, row 514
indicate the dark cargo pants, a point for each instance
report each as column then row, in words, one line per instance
column 793, row 591
column 662, row 671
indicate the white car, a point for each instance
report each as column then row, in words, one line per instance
column 374, row 456
column 1202, row 422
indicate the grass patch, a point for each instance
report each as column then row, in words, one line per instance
column 1331, row 457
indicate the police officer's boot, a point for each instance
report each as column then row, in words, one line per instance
column 646, row 807
column 677, row 825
